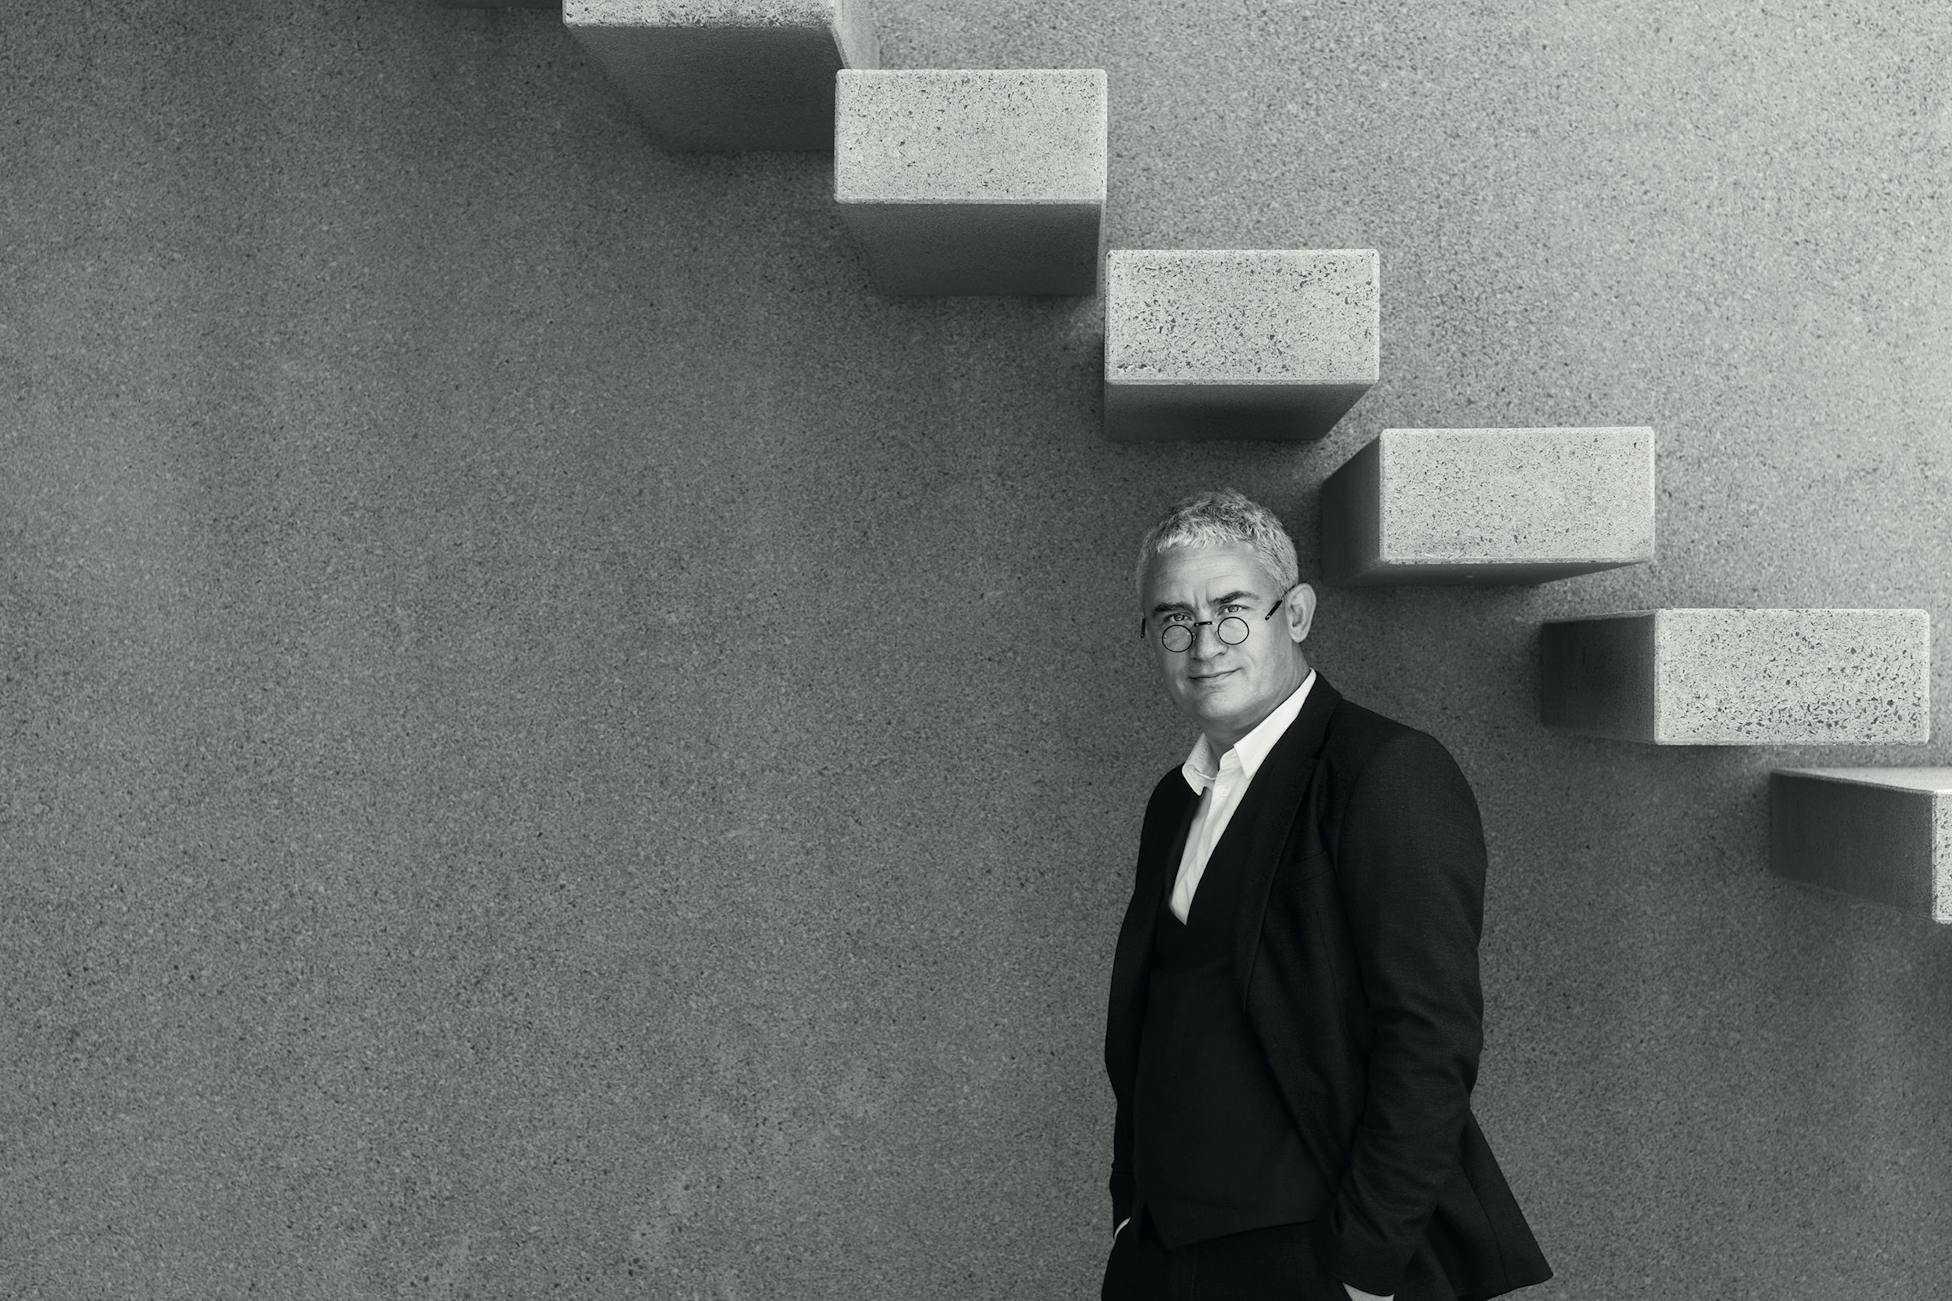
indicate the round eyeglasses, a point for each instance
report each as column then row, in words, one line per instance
column 1232, row 630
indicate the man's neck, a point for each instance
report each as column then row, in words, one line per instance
column 1220, row 745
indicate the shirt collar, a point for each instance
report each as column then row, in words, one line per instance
column 1201, row 768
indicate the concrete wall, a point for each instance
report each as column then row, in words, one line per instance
column 556, row 744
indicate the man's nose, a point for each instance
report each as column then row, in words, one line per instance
column 1206, row 641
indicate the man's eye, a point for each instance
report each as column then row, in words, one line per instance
column 1179, row 618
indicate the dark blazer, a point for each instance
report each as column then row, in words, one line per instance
column 1356, row 958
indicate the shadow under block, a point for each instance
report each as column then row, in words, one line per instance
column 1741, row 677
column 1231, row 343
column 974, row 181
column 1883, row 834
column 728, row 74
column 1489, row 506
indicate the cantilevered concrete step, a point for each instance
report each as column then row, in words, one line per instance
column 1489, row 505
column 1883, row 834
column 1233, row 343
column 1741, row 677
column 974, row 181
column 728, row 74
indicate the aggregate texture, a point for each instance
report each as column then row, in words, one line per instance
column 974, row 182
column 1489, row 506
column 1238, row 343
column 728, row 75
column 554, row 742
column 1741, row 677
column 1884, row 834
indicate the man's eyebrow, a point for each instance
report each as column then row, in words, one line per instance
column 1168, row 607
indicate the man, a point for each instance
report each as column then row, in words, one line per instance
column 1295, row 1014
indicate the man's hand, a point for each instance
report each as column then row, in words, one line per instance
column 1357, row 1294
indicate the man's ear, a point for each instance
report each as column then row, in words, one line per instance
column 1300, row 611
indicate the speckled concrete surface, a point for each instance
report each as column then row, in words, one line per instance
column 1741, row 677
column 1237, row 343
column 1489, row 506
column 558, row 744
column 727, row 74
column 712, row 13
column 1942, row 860
column 1881, row 833
column 974, row 182
column 971, row 136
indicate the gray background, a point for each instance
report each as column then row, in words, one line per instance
column 558, row 745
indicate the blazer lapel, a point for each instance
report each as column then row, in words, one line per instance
column 1256, row 840
column 1161, row 843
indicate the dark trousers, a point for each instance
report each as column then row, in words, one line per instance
column 1276, row 1264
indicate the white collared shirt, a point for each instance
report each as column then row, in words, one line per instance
column 1221, row 786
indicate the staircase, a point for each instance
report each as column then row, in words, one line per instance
column 980, row 182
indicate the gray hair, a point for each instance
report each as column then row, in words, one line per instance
column 1217, row 519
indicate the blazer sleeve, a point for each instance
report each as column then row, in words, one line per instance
column 1410, row 867
column 1122, row 1187
column 1126, row 1002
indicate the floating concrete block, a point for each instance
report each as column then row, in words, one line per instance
column 1489, row 505
column 1225, row 343
column 1741, row 677
column 728, row 74
column 974, row 182
column 1884, row 834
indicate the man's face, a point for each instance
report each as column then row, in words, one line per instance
column 1224, row 689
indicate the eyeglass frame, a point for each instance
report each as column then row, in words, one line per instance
column 1193, row 629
